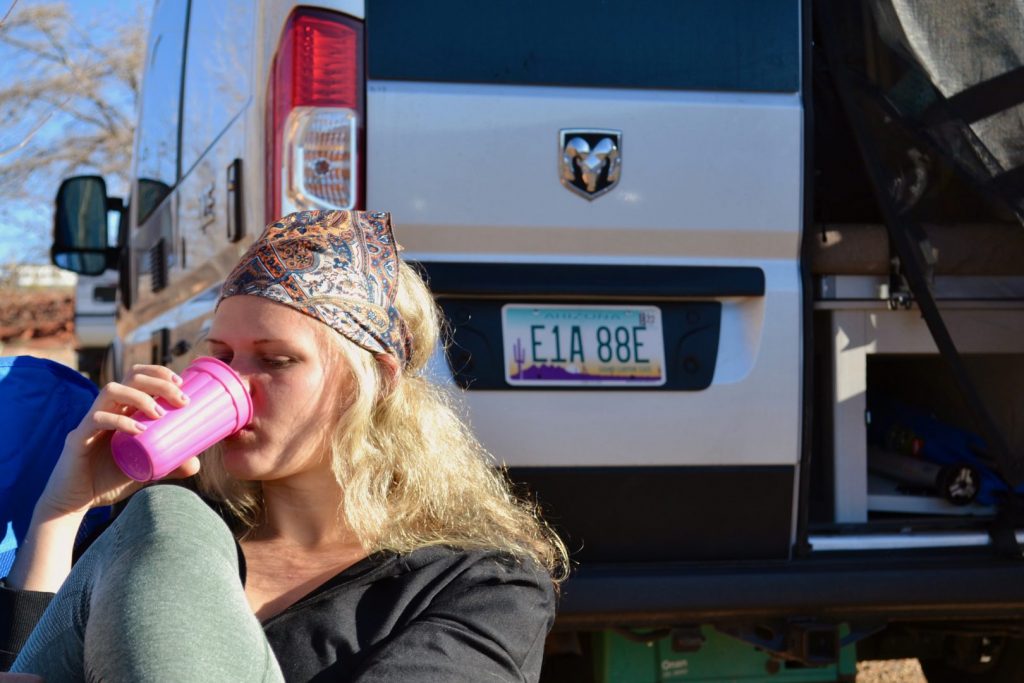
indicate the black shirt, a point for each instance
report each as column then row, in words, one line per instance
column 435, row 614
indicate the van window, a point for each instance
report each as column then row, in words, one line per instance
column 217, row 73
column 156, row 161
column 740, row 45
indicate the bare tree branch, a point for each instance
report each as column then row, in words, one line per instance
column 68, row 96
column 10, row 9
column 27, row 138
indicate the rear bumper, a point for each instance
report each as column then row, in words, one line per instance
column 922, row 587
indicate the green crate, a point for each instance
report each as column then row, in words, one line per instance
column 720, row 659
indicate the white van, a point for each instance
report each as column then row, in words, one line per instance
column 95, row 319
column 668, row 285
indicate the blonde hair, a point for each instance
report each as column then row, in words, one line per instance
column 411, row 472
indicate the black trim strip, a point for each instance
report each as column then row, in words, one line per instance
column 890, row 588
column 539, row 279
column 807, row 243
column 980, row 100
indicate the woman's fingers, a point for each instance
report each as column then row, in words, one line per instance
column 159, row 381
column 119, row 422
column 138, row 392
column 158, row 371
column 116, row 395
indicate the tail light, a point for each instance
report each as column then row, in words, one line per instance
column 315, row 115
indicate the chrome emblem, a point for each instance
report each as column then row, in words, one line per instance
column 591, row 160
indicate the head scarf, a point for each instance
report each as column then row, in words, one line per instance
column 340, row 267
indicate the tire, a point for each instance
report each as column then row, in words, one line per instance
column 1005, row 666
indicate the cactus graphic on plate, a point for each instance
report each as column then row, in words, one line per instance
column 519, row 356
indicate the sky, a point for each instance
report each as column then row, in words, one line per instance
column 97, row 15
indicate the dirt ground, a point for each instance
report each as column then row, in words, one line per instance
column 38, row 323
column 27, row 315
column 894, row 671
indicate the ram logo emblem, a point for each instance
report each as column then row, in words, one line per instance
column 591, row 160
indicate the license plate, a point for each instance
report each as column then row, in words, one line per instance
column 551, row 345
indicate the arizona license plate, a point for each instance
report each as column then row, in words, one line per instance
column 551, row 345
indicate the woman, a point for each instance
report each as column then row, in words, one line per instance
column 375, row 541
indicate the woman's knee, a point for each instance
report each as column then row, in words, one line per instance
column 169, row 515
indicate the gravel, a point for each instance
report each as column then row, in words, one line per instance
column 891, row 671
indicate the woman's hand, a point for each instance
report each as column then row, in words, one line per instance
column 86, row 475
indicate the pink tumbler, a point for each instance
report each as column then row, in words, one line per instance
column 218, row 406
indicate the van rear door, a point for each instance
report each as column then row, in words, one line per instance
column 561, row 167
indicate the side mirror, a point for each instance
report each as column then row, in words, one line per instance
column 80, row 241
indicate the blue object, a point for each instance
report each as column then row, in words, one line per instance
column 898, row 426
column 40, row 402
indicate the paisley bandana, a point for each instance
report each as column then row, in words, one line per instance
column 340, row 267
